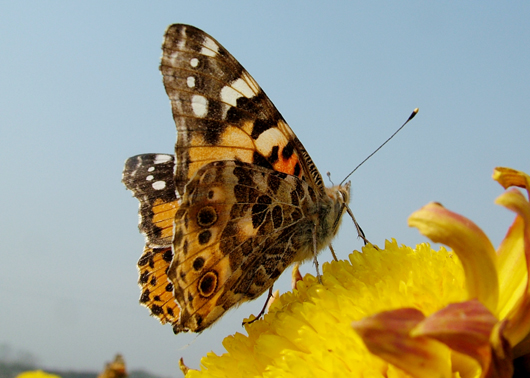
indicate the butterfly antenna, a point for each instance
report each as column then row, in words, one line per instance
column 329, row 178
column 414, row 112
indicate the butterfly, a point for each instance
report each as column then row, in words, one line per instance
column 240, row 200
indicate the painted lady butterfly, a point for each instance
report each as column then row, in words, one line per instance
column 243, row 200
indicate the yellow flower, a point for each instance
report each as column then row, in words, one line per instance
column 307, row 332
column 492, row 325
column 36, row 374
column 415, row 312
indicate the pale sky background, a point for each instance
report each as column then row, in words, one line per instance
column 81, row 92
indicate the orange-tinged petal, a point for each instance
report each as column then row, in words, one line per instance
column 183, row 368
column 501, row 365
column 510, row 177
column 513, row 252
column 464, row 327
column 273, row 298
column 386, row 335
column 471, row 245
column 519, row 315
column 295, row 276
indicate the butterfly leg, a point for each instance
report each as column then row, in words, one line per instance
column 269, row 296
column 360, row 232
column 315, row 253
column 333, row 252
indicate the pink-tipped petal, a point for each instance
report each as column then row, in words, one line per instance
column 387, row 335
column 501, row 365
column 295, row 276
column 464, row 327
column 274, row 297
column 471, row 245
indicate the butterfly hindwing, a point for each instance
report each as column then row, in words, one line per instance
column 156, row 289
column 239, row 226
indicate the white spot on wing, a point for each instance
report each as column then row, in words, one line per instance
column 237, row 89
column 229, row 95
column 268, row 139
column 242, row 87
column 159, row 185
column 210, row 47
column 199, row 104
column 190, row 81
column 149, row 178
column 150, row 169
column 194, row 62
column 159, row 159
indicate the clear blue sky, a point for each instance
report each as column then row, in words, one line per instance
column 81, row 92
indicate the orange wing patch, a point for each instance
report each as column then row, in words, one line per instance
column 162, row 219
column 157, row 289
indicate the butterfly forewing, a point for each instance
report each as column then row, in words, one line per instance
column 150, row 178
column 221, row 113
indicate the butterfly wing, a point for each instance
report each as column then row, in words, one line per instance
column 245, row 179
column 221, row 113
column 239, row 226
column 150, row 178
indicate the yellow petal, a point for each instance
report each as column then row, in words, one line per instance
column 36, row 374
column 470, row 244
column 387, row 335
column 510, row 177
column 519, row 312
column 511, row 264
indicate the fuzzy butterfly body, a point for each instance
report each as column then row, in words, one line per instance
column 242, row 201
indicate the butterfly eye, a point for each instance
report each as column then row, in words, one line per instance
column 343, row 199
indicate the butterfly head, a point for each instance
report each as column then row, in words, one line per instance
column 344, row 199
column 340, row 196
